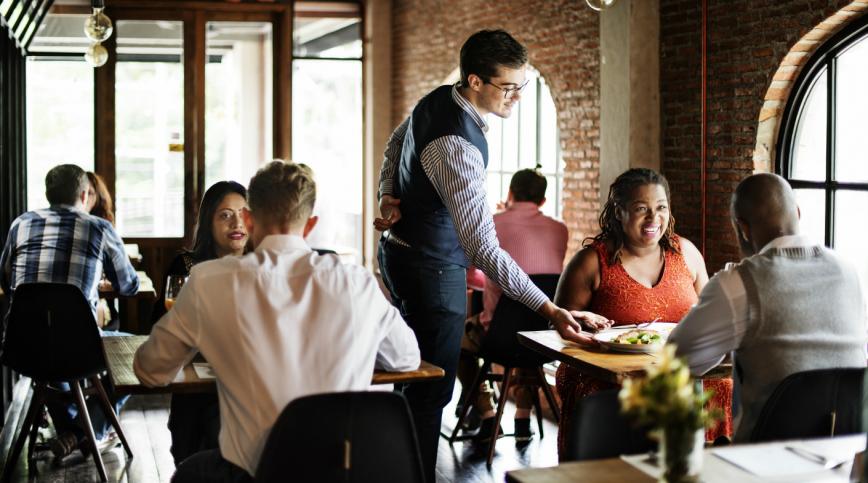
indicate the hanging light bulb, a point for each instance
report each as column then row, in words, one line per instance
column 96, row 55
column 98, row 27
column 600, row 5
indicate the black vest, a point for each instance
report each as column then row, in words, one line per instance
column 425, row 222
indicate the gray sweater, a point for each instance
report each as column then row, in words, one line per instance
column 807, row 313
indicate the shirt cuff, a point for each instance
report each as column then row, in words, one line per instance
column 386, row 188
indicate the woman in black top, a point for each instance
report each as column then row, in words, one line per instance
column 194, row 419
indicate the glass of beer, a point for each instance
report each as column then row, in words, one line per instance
column 173, row 288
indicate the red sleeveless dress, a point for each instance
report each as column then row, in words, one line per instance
column 626, row 301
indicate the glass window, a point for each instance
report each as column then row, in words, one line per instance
column 327, row 106
column 149, row 129
column 238, row 100
column 529, row 137
column 61, row 34
column 824, row 146
column 59, row 120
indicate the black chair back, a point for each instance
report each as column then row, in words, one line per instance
column 346, row 437
column 51, row 335
column 500, row 344
column 811, row 404
column 600, row 430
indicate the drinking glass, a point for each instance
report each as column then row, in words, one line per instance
column 173, row 288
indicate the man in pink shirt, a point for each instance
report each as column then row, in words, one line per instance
column 538, row 243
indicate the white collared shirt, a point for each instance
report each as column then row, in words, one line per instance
column 275, row 325
column 721, row 315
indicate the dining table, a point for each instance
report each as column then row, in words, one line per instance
column 599, row 362
column 824, row 459
column 120, row 350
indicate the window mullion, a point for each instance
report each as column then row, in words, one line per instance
column 830, row 150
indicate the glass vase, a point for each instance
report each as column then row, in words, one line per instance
column 681, row 454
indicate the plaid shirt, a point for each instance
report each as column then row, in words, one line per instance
column 63, row 244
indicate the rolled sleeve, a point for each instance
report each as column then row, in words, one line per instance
column 391, row 157
column 173, row 341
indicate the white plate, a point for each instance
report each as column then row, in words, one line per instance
column 605, row 338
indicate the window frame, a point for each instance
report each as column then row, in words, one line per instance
column 825, row 59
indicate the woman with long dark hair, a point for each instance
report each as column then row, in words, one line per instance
column 99, row 200
column 635, row 270
column 194, row 419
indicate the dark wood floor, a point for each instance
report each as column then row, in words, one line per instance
column 144, row 422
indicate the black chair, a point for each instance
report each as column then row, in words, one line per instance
column 51, row 336
column 600, row 430
column 500, row 346
column 812, row 404
column 345, row 437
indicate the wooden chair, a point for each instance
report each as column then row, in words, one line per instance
column 51, row 336
column 500, row 346
column 344, row 437
column 813, row 404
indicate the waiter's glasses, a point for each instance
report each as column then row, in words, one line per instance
column 509, row 92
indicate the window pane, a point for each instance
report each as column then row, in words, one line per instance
column 60, row 33
column 494, row 136
column 549, row 138
column 851, row 163
column 492, row 191
column 330, row 30
column 59, row 120
column 510, row 142
column 149, row 129
column 527, row 113
column 551, row 203
column 809, row 150
column 238, row 100
column 327, row 134
column 851, row 231
column 812, row 206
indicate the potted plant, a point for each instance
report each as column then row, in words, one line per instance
column 669, row 400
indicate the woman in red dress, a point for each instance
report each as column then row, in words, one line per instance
column 636, row 270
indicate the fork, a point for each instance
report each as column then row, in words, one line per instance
column 637, row 326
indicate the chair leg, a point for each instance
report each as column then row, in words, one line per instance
column 36, row 405
column 501, row 403
column 472, row 394
column 29, row 419
column 88, row 429
column 550, row 397
column 538, row 409
column 109, row 409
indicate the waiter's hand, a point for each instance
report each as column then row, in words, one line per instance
column 566, row 325
column 389, row 211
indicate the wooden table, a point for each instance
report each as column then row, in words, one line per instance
column 135, row 310
column 714, row 468
column 119, row 353
column 609, row 366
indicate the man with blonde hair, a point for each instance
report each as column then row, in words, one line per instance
column 276, row 324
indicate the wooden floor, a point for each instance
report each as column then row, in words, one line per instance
column 144, row 422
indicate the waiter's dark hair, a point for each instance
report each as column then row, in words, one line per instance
column 486, row 50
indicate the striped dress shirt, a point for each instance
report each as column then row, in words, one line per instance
column 456, row 170
column 63, row 244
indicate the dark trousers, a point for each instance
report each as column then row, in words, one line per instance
column 194, row 423
column 432, row 298
column 209, row 467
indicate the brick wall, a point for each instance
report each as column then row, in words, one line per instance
column 747, row 41
column 562, row 39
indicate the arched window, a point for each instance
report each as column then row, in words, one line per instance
column 529, row 136
column 823, row 145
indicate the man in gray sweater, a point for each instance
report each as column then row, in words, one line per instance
column 791, row 305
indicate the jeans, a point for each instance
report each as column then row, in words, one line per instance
column 432, row 297
column 65, row 415
column 210, row 467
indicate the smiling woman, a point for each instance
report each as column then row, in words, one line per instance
column 635, row 270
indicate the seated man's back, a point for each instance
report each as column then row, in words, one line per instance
column 802, row 298
column 276, row 324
